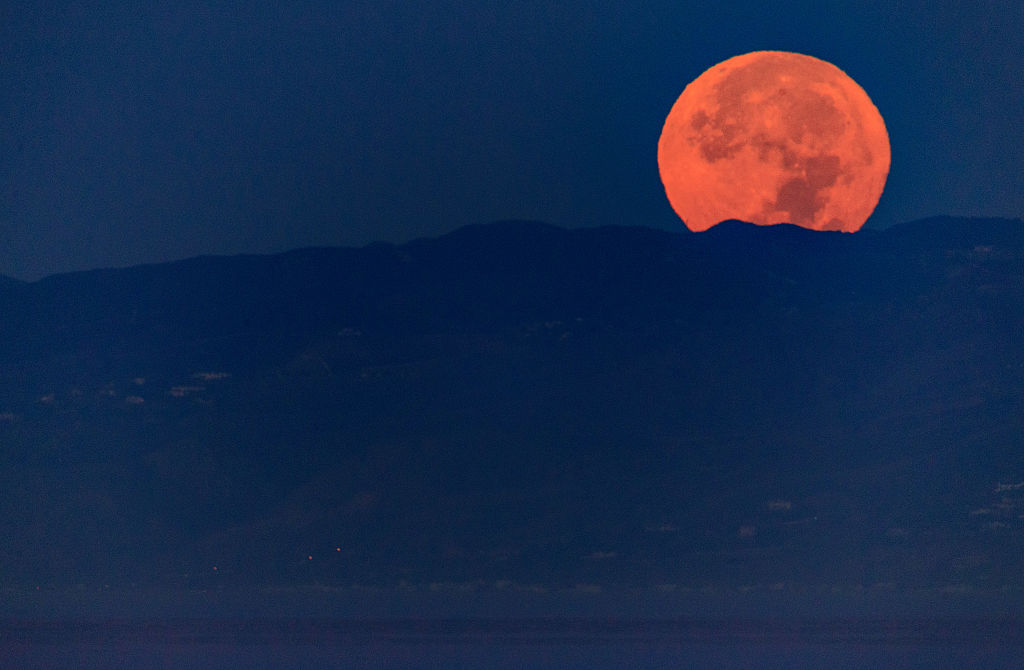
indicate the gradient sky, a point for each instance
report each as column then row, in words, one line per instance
column 145, row 132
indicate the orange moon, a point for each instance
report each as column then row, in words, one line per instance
column 774, row 137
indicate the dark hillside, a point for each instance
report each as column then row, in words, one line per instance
column 521, row 404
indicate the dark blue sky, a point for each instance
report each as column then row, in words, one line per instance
column 144, row 132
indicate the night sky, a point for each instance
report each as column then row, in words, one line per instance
column 146, row 132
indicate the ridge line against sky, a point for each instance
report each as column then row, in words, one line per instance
column 980, row 224
column 135, row 134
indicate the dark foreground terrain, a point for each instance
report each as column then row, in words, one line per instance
column 519, row 419
column 529, row 644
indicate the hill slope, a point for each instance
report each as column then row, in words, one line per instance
column 520, row 404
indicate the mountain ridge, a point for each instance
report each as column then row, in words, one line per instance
column 529, row 405
column 956, row 229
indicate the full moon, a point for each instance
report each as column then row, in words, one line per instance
column 774, row 137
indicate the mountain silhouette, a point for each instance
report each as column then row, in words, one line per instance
column 521, row 404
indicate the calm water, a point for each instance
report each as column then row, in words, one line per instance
column 521, row 644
